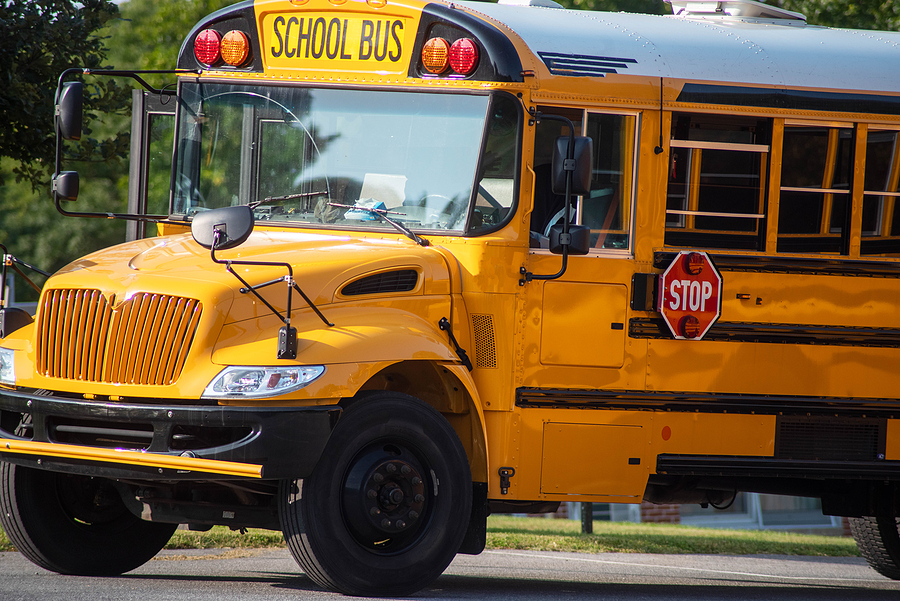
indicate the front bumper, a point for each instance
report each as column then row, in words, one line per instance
column 160, row 441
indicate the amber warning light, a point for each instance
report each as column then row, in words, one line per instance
column 461, row 57
column 210, row 47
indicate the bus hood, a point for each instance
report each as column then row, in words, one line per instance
column 323, row 266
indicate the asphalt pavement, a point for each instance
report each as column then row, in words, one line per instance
column 207, row 575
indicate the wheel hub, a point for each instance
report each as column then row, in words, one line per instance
column 384, row 497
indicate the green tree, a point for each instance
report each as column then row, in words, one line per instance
column 653, row 7
column 851, row 14
column 38, row 40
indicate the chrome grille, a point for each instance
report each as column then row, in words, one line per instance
column 144, row 340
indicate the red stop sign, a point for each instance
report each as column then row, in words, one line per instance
column 690, row 295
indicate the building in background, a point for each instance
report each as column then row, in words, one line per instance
column 748, row 511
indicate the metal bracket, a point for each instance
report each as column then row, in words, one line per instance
column 505, row 474
column 444, row 324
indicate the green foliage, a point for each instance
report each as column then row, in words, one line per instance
column 539, row 534
column 38, row 41
column 653, row 7
column 852, row 14
column 151, row 32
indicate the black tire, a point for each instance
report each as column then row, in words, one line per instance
column 75, row 524
column 387, row 506
column 879, row 542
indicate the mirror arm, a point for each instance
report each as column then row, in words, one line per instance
column 59, row 143
column 287, row 335
column 569, row 167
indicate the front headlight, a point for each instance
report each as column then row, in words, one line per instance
column 255, row 382
column 7, row 367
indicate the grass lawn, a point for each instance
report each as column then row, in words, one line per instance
column 539, row 534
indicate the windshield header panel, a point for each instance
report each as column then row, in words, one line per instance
column 321, row 157
column 372, row 41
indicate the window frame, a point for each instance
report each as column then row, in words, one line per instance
column 632, row 169
column 690, row 201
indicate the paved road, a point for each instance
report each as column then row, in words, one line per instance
column 496, row 575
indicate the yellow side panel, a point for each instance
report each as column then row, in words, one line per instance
column 583, row 324
column 591, row 459
column 892, row 445
column 713, row 434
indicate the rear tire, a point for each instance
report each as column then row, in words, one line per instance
column 75, row 524
column 387, row 506
column 878, row 541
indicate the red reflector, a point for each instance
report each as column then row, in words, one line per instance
column 693, row 263
column 206, row 46
column 463, row 56
column 689, row 326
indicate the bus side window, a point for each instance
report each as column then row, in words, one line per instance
column 881, row 215
column 815, row 189
column 716, row 195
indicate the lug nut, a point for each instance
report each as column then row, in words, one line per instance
column 374, row 511
column 419, row 499
column 416, row 481
column 371, row 493
column 385, row 523
column 405, row 470
column 413, row 515
column 401, row 524
column 390, row 468
column 378, row 477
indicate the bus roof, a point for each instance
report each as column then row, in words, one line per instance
column 781, row 52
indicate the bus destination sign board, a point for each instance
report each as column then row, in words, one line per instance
column 690, row 295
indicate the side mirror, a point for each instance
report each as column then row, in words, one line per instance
column 579, row 239
column 582, row 165
column 234, row 225
column 69, row 110
column 65, row 185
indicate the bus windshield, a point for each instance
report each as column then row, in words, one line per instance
column 303, row 155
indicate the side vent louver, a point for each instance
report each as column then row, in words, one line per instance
column 403, row 280
column 485, row 352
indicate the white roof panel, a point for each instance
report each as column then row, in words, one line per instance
column 719, row 49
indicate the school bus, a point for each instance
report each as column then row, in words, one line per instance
column 423, row 261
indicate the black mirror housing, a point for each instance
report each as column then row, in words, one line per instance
column 234, row 225
column 65, row 185
column 11, row 319
column 582, row 165
column 579, row 240
column 69, row 110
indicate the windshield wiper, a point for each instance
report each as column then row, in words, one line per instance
column 269, row 199
column 383, row 213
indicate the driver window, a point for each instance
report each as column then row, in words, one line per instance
column 497, row 173
column 607, row 209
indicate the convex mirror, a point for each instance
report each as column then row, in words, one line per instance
column 234, row 225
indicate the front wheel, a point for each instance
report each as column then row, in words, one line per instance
column 878, row 540
column 387, row 506
column 75, row 524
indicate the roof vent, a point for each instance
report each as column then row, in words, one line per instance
column 541, row 3
column 741, row 9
